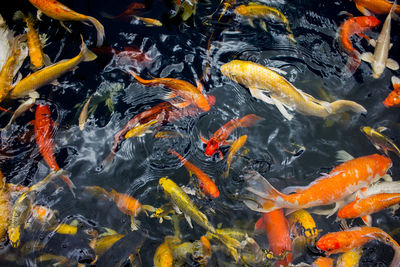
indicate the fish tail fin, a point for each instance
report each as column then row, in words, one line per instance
column 148, row 208
column 99, row 28
column 231, row 243
column 346, row 105
column 86, row 53
column 249, row 120
column 173, row 152
column 137, row 77
column 260, row 224
column 69, row 183
column 353, row 61
column 264, row 192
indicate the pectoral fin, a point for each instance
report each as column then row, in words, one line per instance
column 281, row 72
column 343, row 156
column 372, row 42
column 282, row 109
column 363, row 10
column 181, row 104
column 367, row 219
column 263, row 25
column 257, row 93
column 392, row 64
column 251, row 23
column 188, row 220
column 367, row 57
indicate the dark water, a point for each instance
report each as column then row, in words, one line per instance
column 179, row 50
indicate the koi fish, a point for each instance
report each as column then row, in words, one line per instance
column 50, row 73
column 187, row 91
column 44, row 214
column 238, row 144
column 259, row 11
column 323, row 262
column 36, row 55
column 393, row 99
column 5, row 207
column 220, row 136
column 141, row 129
column 378, row 7
column 277, row 230
column 5, row 38
column 130, row 53
column 43, row 127
column 302, row 224
column 149, row 21
column 379, row 140
column 282, row 93
column 163, row 256
column 350, row 258
column 350, row 27
column 66, row 229
column 128, row 13
column 206, row 185
column 84, row 114
column 58, row 11
column 356, row 237
column 182, row 201
column 379, row 60
column 366, row 206
column 343, row 180
column 105, row 242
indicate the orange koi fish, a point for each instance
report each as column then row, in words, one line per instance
column 366, row 206
column 43, row 127
column 220, row 136
column 350, row 27
column 206, row 185
column 344, row 180
column 393, row 99
column 378, row 7
column 187, row 91
column 58, row 11
column 129, row 53
column 5, row 206
column 355, row 237
column 129, row 11
column 323, row 262
column 277, row 230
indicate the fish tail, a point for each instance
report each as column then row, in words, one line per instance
column 173, row 152
column 69, row 183
column 231, row 243
column 346, row 105
column 86, row 53
column 148, row 208
column 249, row 120
column 353, row 61
column 106, row 163
column 396, row 257
column 100, row 30
column 137, row 77
column 265, row 193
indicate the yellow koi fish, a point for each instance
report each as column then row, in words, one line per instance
column 141, row 129
column 379, row 140
column 182, row 201
column 58, row 11
column 50, row 73
column 282, row 93
column 149, row 21
column 5, row 207
column 350, row 258
column 239, row 143
column 84, row 114
column 259, row 11
column 36, row 54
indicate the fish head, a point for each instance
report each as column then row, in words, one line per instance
column 383, row 164
column 329, row 243
column 202, row 102
column 393, row 99
column 242, row 10
column 212, row 147
column 231, row 69
column 366, row 130
column 370, row 22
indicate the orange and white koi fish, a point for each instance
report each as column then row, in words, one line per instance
column 50, row 73
column 366, row 206
column 350, row 27
column 393, row 99
column 343, row 180
column 379, row 60
column 220, row 136
column 36, row 54
column 323, row 262
column 238, row 144
column 355, row 237
column 277, row 230
column 43, row 126
column 187, row 91
column 282, row 93
column 378, row 7
column 58, row 11
column 206, row 185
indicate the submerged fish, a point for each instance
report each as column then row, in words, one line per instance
column 283, row 94
column 141, row 129
column 84, row 114
column 379, row 60
column 378, row 7
column 343, row 180
column 163, row 256
column 5, row 207
column 149, row 21
column 356, row 237
column 393, row 99
column 350, row 27
column 206, row 185
column 350, row 258
column 259, row 11
column 190, row 94
column 220, row 136
column 379, row 140
column 50, row 73
column 58, row 11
